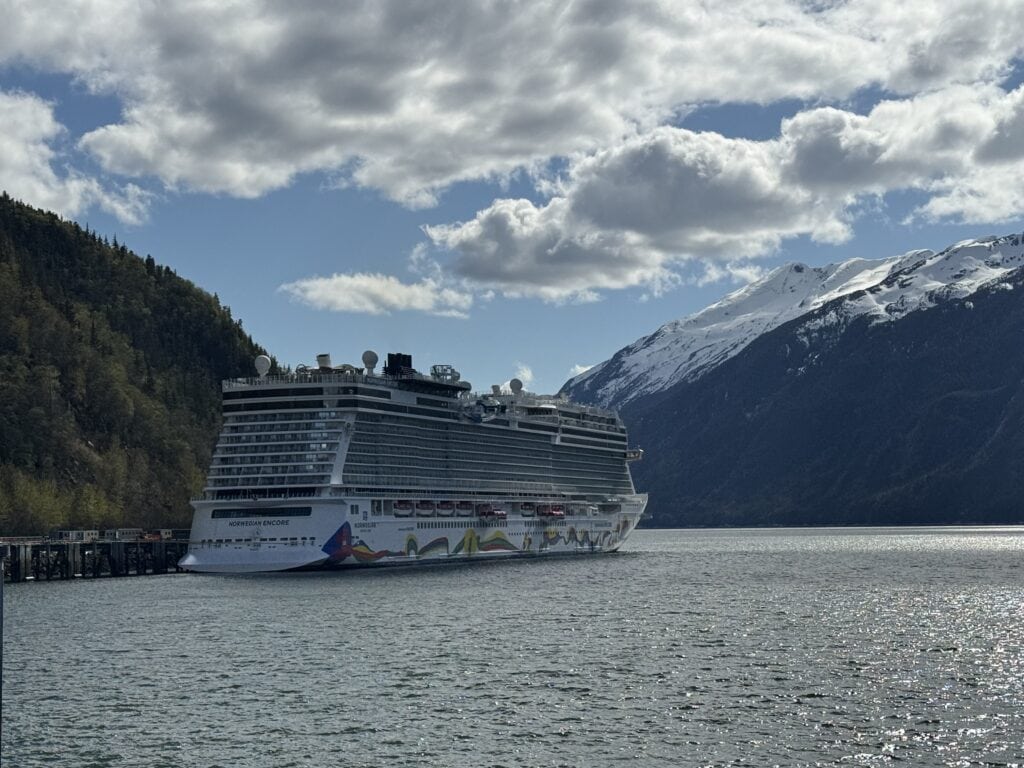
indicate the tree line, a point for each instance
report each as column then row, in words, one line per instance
column 110, row 370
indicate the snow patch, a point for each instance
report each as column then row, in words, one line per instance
column 884, row 289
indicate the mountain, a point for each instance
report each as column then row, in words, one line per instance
column 686, row 349
column 110, row 369
column 885, row 392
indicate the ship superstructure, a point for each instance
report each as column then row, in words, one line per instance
column 334, row 466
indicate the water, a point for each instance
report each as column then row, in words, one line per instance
column 817, row 647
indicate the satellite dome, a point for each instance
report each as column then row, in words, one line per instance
column 516, row 386
column 369, row 360
column 262, row 365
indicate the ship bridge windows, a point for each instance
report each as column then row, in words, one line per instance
column 618, row 438
column 242, row 481
column 284, row 420
column 251, row 492
column 256, row 394
column 251, row 448
column 245, row 512
column 272, row 405
column 271, row 459
column 381, row 394
column 433, row 403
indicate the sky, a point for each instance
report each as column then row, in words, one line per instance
column 514, row 188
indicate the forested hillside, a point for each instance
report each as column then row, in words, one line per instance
column 109, row 379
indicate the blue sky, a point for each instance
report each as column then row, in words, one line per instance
column 513, row 188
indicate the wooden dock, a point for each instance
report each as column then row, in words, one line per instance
column 42, row 560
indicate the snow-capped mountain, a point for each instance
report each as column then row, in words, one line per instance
column 886, row 289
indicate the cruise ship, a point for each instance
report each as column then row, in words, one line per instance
column 341, row 466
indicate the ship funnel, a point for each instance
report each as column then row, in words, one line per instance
column 495, row 389
column 369, row 360
column 323, row 362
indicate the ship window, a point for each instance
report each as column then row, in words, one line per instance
column 262, row 512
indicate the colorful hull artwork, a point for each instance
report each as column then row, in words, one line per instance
column 329, row 537
column 344, row 549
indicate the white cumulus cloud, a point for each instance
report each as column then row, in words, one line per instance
column 33, row 168
column 631, row 214
column 577, row 369
column 524, row 373
column 377, row 294
column 239, row 97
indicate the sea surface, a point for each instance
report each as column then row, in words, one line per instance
column 689, row 648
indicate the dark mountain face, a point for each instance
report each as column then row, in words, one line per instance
column 110, row 369
column 919, row 421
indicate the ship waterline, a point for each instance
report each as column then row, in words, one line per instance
column 338, row 467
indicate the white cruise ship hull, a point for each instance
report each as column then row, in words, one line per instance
column 343, row 533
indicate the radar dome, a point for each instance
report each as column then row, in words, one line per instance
column 369, row 360
column 262, row 365
column 516, row 386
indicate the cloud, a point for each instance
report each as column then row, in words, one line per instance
column 34, row 169
column 527, row 250
column 376, row 294
column 524, row 373
column 633, row 213
column 240, row 97
column 577, row 369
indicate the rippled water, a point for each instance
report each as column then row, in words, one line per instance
column 814, row 647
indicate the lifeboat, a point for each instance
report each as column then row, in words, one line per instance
column 425, row 509
column 464, row 508
column 551, row 510
column 527, row 509
column 446, row 508
column 402, row 508
column 489, row 512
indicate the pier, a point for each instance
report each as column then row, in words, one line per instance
column 43, row 560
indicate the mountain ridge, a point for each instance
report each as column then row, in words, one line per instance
column 912, row 422
column 888, row 288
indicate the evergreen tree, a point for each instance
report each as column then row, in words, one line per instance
column 110, row 367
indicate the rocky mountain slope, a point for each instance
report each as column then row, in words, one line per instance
column 900, row 401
